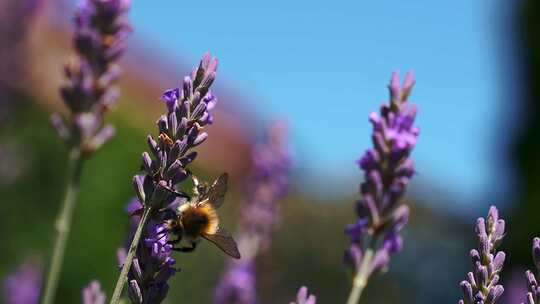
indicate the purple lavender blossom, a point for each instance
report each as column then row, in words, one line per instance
column 481, row 286
column 165, row 168
column 99, row 41
column 24, row 285
column 533, row 294
column 388, row 169
column 267, row 184
column 179, row 131
column 101, row 29
column 153, row 265
column 303, row 297
column 92, row 294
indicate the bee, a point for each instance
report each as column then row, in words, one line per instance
column 198, row 219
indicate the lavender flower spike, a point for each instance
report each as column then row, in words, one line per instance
column 92, row 294
column 24, row 285
column 304, row 298
column 388, row 169
column 153, row 264
column 100, row 33
column 267, row 184
column 158, row 188
column 481, row 286
column 533, row 296
column 99, row 41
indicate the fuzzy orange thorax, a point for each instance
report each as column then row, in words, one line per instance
column 199, row 219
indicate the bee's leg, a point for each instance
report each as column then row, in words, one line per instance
column 176, row 241
column 186, row 249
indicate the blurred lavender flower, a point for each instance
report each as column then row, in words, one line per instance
column 16, row 17
column 24, row 285
column 533, row 296
column 387, row 170
column 101, row 29
column 237, row 285
column 267, row 184
column 481, row 286
column 92, row 294
column 158, row 191
column 514, row 290
column 99, row 40
column 304, row 298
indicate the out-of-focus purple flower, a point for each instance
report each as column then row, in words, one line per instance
column 515, row 290
column 533, row 294
column 303, row 297
column 237, row 285
column 267, row 184
column 16, row 20
column 101, row 29
column 92, row 294
column 481, row 286
column 24, row 285
column 388, row 169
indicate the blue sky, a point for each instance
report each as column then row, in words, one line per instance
column 325, row 65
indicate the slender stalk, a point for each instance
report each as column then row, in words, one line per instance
column 129, row 259
column 63, row 224
column 361, row 278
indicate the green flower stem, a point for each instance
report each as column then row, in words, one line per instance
column 361, row 278
column 63, row 224
column 122, row 279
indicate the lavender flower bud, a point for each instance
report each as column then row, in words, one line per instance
column 380, row 261
column 92, row 294
column 533, row 296
column 494, row 294
column 102, row 137
column 147, row 163
column 152, row 145
column 24, row 285
column 487, row 262
column 353, row 256
column 467, row 292
column 134, row 292
column 138, row 184
column 304, row 298
column 59, row 124
column 536, row 252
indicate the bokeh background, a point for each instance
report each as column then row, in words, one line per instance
column 322, row 67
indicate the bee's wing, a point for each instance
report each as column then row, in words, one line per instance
column 216, row 193
column 224, row 241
